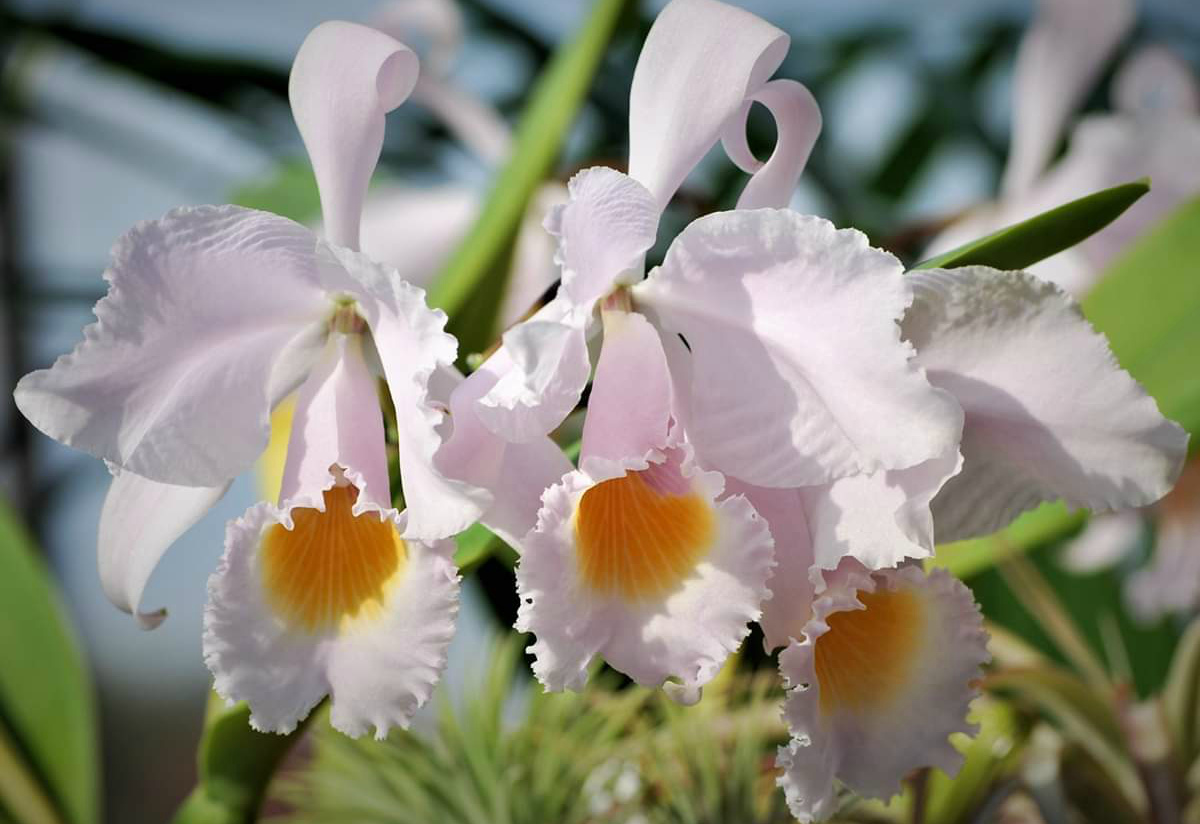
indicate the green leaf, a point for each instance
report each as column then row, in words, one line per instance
column 236, row 764
column 46, row 701
column 1148, row 304
column 1049, row 233
column 480, row 263
column 477, row 544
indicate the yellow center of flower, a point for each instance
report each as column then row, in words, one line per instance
column 331, row 568
column 865, row 658
column 638, row 538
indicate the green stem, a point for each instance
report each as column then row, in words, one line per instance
column 20, row 794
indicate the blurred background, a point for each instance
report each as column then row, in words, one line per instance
column 115, row 111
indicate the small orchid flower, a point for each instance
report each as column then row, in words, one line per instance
column 1153, row 131
column 880, row 665
column 214, row 315
column 766, row 347
column 884, row 672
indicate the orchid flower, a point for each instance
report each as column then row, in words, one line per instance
column 214, row 315
column 1154, row 131
column 881, row 659
column 766, row 348
column 884, row 672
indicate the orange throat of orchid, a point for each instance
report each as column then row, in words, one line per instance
column 331, row 569
column 866, row 658
column 641, row 535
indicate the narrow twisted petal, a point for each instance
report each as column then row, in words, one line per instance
column 797, row 122
column 345, row 78
column 700, row 62
column 1049, row 413
column 1059, row 58
column 884, row 674
column 213, row 315
column 138, row 523
column 799, row 375
column 412, row 345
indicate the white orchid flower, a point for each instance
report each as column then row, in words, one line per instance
column 214, row 315
column 766, row 347
column 1153, row 131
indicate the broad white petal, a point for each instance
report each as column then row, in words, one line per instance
column 667, row 613
column 378, row 664
column 337, row 422
column 797, row 124
column 700, row 61
column 799, row 375
column 345, row 78
column 885, row 673
column 542, row 368
column 213, row 315
column 140, row 520
column 881, row 519
column 1058, row 60
column 604, row 231
column 412, row 346
column 1048, row 412
column 629, row 409
column 515, row 474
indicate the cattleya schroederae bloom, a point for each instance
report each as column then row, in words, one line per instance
column 214, row 315
column 775, row 368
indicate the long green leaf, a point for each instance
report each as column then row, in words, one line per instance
column 235, row 766
column 46, row 700
column 479, row 266
column 1049, row 233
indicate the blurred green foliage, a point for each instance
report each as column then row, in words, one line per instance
column 48, row 751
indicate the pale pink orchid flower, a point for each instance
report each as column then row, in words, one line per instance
column 1152, row 131
column 214, row 315
column 881, row 659
column 766, row 347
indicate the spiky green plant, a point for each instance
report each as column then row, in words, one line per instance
column 511, row 754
